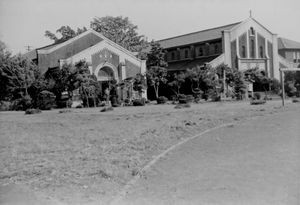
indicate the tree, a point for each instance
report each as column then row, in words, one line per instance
column 121, row 31
column 139, row 83
column 66, row 33
column 176, row 82
column 16, row 75
column 203, row 80
column 261, row 81
column 156, row 67
column 156, row 56
column 82, row 79
column 239, row 84
column 58, row 80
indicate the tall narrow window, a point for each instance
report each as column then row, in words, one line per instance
column 186, row 53
column 261, row 52
column 172, row 56
column 251, row 31
column 243, row 52
column 200, row 52
column 216, row 48
column 252, row 49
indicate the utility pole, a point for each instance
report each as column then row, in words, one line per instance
column 28, row 48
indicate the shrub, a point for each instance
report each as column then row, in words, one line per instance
column 139, row 102
column 162, row 100
column 32, row 111
column 105, row 109
column 182, row 99
column 257, row 96
column 46, row 100
column 23, row 103
column 179, row 106
column 64, row 111
column 295, row 100
column 79, row 106
column 114, row 101
column 5, row 105
column 189, row 98
column 257, row 102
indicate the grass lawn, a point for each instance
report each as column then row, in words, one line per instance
column 85, row 155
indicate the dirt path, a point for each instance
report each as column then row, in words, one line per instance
column 255, row 162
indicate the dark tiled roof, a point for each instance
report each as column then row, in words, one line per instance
column 284, row 43
column 199, row 36
column 30, row 54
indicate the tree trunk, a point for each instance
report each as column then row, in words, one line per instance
column 156, row 91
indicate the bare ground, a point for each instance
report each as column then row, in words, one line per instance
column 85, row 156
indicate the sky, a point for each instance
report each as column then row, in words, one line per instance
column 24, row 22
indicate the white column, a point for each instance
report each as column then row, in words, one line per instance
column 248, row 45
column 227, row 48
column 256, row 46
column 143, row 72
column 238, row 53
column 123, row 67
column 275, row 58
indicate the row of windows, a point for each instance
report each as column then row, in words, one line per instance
column 252, row 54
column 199, row 52
column 296, row 57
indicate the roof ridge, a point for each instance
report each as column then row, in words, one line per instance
column 199, row 31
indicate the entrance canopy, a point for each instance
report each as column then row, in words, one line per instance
column 105, row 74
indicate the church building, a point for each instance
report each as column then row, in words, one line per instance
column 242, row 45
column 107, row 60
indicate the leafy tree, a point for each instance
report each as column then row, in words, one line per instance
column 176, row 82
column 204, row 80
column 58, row 80
column 121, row 31
column 156, row 67
column 66, row 33
column 16, row 75
column 239, row 84
column 292, row 79
column 139, row 83
column 87, row 84
column 156, row 56
column 261, row 81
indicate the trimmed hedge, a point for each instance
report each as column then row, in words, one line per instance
column 180, row 106
column 139, row 102
column 257, row 102
column 162, row 100
column 32, row 111
column 105, row 109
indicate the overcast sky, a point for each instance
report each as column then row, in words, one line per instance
column 24, row 22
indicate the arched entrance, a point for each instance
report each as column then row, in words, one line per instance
column 106, row 75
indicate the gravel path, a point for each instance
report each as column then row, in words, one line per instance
column 254, row 162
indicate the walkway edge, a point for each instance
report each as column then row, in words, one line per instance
column 126, row 188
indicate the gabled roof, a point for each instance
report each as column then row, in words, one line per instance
column 195, row 37
column 284, row 43
column 31, row 55
column 53, row 47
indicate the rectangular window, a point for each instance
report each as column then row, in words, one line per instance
column 186, row 53
column 172, row 56
column 200, row 51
